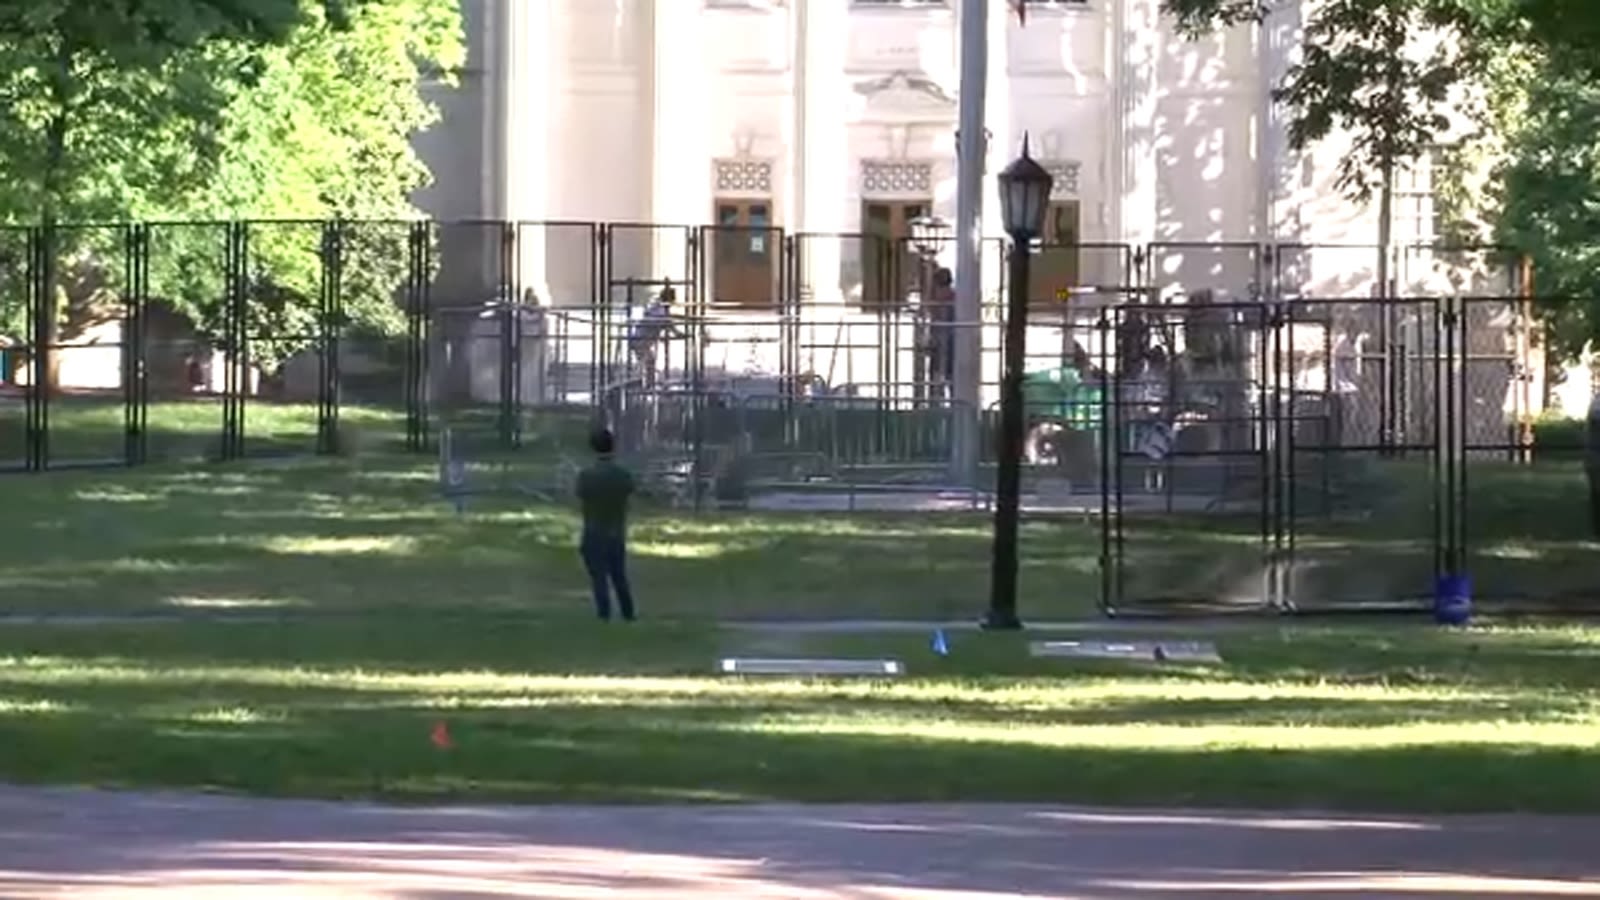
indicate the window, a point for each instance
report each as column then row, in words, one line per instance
column 1055, row 267
column 744, row 255
column 889, row 270
column 1416, row 217
column 900, row 4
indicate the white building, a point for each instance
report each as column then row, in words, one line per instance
column 830, row 118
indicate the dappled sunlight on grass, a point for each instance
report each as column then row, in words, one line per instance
column 680, row 549
column 342, row 537
column 235, row 602
column 368, row 545
column 15, row 707
column 117, row 495
column 1325, row 716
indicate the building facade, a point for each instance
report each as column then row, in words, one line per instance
column 838, row 117
column 709, row 131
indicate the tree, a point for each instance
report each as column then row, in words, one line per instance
column 79, row 80
column 172, row 109
column 1364, row 72
column 324, row 132
column 1543, row 190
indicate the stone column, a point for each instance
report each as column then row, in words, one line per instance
column 822, row 148
column 1136, row 41
column 680, row 103
column 1004, row 146
column 1276, row 39
column 525, row 159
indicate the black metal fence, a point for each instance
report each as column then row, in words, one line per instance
column 1337, row 455
column 1285, row 443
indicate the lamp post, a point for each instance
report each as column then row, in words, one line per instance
column 1024, row 197
column 927, row 236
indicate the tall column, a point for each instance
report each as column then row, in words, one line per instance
column 1004, row 145
column 524, row 102
column 1278, row 37
column 821, row 150
column 680, row 173
column 1136, row 41
column 973, row 41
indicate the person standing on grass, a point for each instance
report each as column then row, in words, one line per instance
column 604, row 489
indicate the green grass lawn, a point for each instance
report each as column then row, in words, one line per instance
column 373, row 537
column 91, row 428
column 371, row 610
column 1373, row 717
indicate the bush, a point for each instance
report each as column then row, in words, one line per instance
column 1559, row 434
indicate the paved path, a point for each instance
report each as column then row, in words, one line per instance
column 100, row 845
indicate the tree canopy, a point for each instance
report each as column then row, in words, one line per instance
column 175, row 110
column 1533, row 63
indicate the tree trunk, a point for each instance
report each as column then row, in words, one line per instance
column 47, row 334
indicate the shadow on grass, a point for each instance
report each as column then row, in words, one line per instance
column 548, row 712
column 632, row 753
column 347, row 536
column 329, row 537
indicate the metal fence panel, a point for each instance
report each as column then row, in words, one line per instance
column 1362, row 517
column 1273, row 437
column 1189, row 410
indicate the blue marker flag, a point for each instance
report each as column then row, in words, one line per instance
column 941, row 647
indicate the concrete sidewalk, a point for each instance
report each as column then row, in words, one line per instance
column 58, row 842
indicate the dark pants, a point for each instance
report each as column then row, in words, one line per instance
column 606, row 558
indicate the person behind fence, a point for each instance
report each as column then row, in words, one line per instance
column 941, row 327
column 650, row 331
column 604, row 490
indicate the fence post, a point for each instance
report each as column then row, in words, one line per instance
column 135, row 349
column 236, row 368
column 510, row 331
column 418, row 286
column 1454, row 466
column 330, row 319
column 1108, row 600
column 38, row 426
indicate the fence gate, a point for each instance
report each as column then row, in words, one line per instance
column 1363, row 475
column 1188, row 486
column 1298, row 456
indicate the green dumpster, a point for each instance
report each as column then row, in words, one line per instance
column 1062, row 395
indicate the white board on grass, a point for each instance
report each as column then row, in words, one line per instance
column 1134, row 651
column 1188, row 652
column 874, row 668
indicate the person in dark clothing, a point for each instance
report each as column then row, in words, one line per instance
column 604, row 489
column 941, row 311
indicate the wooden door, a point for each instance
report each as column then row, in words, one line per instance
column 744, row 260
column 890, row 270
column 1055, row 266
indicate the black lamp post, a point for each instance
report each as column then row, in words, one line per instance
column 1024, row 197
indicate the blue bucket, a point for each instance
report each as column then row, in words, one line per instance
column 1452, row 600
